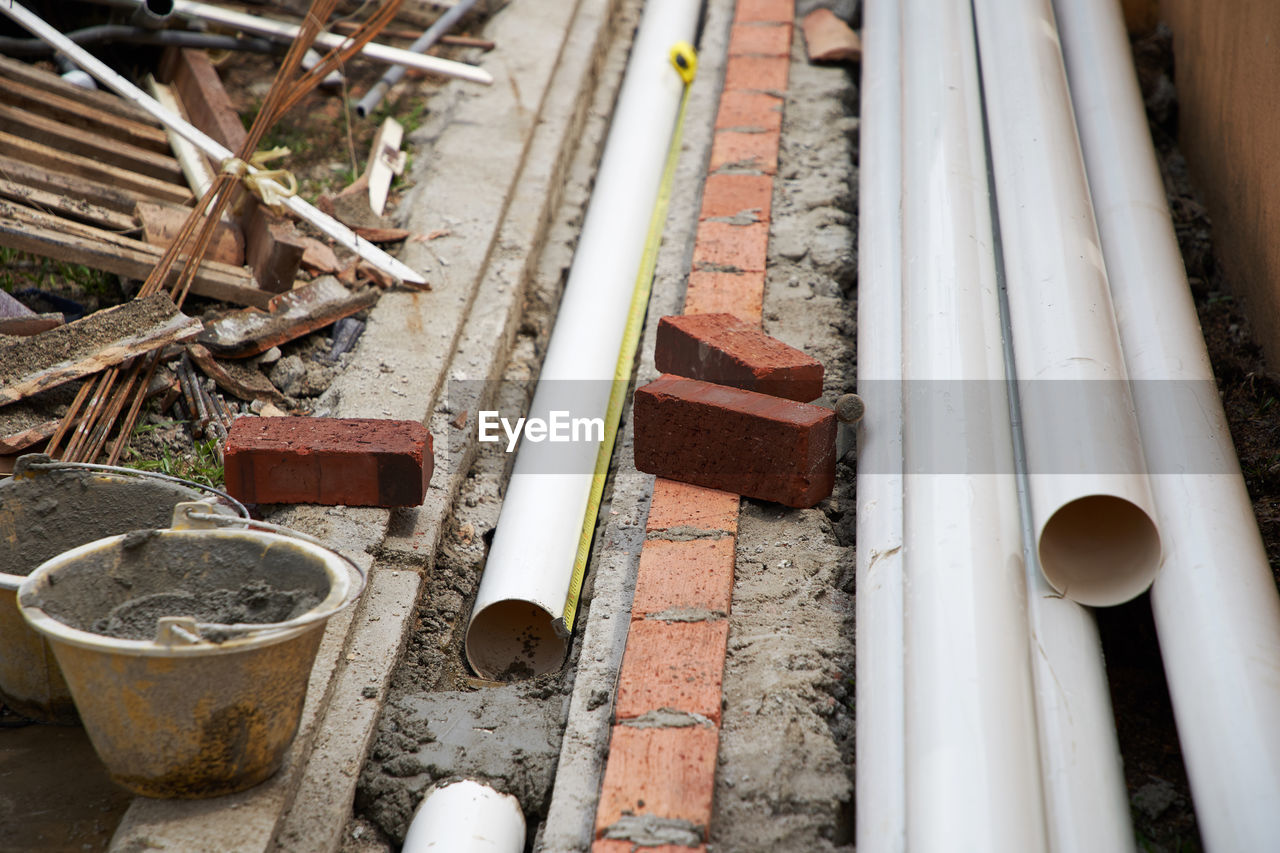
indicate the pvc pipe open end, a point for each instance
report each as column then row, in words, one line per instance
column 513, row 639
column 1100, row 550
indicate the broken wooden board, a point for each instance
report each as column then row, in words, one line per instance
column 161, row 225
column 92, row 344
column 236, row 378
column 11, row 69
column 52, row 237
column 273, row 248
column 294, row 314
column 74, row 111
column 78, row 188
column 67, row 206
column 25, row 327
column 386, row 160
column 18, row 148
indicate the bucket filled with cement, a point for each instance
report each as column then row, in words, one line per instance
column 188, row 651
column 47, row 508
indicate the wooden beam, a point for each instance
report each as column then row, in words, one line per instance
column 91, row 344
column 197, row 85
column 72, row 208
column 76, row 113
column 273, row 248
column 82, row 189
column 53, row 237
column 19, row 148
column 73, row 140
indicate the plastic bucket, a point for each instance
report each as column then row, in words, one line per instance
column 45, row 509
column 180, row 714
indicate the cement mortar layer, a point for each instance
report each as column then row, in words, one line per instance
column 412, row 341
column 784, row 779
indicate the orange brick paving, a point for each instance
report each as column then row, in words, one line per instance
column 670, row 772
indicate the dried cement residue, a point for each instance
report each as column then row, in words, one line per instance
column 255, row 603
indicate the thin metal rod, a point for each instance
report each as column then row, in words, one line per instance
column 395, row 73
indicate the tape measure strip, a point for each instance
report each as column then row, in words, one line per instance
column 685, row 60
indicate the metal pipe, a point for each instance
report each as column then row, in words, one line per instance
column 516, row 626
column 374, row 96
column 219, row 152
column 137, row 35
column 972, row 758
column 880, row 739
column 1216, row 610
column 1097, row 539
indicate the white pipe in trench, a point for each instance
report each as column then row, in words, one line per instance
column 466, row 817
column 516, row 625
column 1215, row 603
column 972, row 758
column 1096, row 536
column 880, row 769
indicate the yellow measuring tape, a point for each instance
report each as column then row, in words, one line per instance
column 685, row 60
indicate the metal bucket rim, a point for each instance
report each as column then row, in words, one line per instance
column 335, row 566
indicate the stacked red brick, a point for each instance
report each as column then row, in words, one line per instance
column 675, row 651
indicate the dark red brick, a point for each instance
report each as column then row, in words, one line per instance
column 722, row 349
column 737, row 441
column 330, row 461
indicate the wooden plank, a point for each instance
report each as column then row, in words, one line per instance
column 25, row 326
column 161, row 225
column 52, row 237
column 76, row 113
column 91, row 344
column 109, row 102
column 72, row 208
column 292, row 315
column 97, row 193
column 114, row 152
column 10, row 307
column 28, row 151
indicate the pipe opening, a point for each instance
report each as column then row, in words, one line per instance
column 513, row 639
column 1100, row 550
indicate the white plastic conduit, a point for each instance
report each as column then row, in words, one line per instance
column 1096, row 536
column 972, row 759
column 516, row 626
column 466, row 817
column 1215, row 603
column 880, row 786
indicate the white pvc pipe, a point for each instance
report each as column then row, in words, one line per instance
column 1215, row 603
column 517, row 624
column 466, row 817
column 109, row 78
column 880, row 767
column 282, row 31
column 972, row 759
column 1096, row 536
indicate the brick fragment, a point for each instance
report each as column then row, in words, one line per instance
column 735, row 149
column 689, row 575
column 663, row 772
column 738, row 441
column 713, row 292
column 757, row 73
column 329, row 461
column 764, row 11
column 737, row 195
column 749, row 111
column 688, row 506
column 723, row 349
column 676, row 665
column 613, row 845
column 725, row 245
column 760, row 40
column 829, row 39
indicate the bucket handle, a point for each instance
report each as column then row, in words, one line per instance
column 190, row 512
column 41, row 462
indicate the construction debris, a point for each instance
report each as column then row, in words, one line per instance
column 829, row 39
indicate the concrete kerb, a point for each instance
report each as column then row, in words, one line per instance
column 571, row 818
column 399, row 370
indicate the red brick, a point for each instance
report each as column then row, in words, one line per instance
column 736, row 247
column 723, row 349
column 331, row 461
column 693, row 574
column 767, row 11
column 735, row 195
column 749, row 111
column 739, row 294
column 617, row 846
column 757, row 73
column 739, row 441
column 665, row 772
column 736, row 149
column 686, row 505
column 675, row 665
column 829, row 39
column 760, row 40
